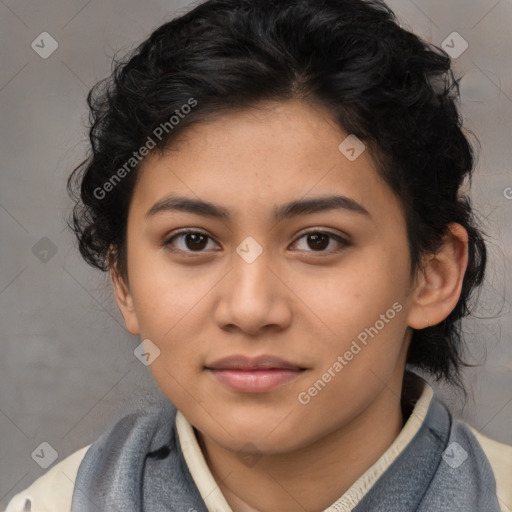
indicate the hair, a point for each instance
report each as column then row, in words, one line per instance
column 382, row 83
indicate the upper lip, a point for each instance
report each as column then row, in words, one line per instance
column 240, row 362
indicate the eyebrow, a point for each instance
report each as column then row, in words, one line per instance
column 279, row 213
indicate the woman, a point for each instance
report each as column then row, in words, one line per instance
column 275, row 189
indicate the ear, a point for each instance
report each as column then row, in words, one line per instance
column 124, row 298
column 439, row 283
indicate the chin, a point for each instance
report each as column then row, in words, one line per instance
column 258, row 434
column 258, row 443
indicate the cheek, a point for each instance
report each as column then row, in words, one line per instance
column 367, row 321
column 355, row 296
column 365, row 312
column 168, row 297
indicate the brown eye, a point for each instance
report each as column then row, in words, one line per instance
column 191, row 241
column 319, row 241
column 195, row 241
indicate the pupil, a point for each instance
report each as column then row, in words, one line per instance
column 194, row 238
column 317, row 243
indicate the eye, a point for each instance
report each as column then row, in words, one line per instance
column 318, row 241
column 192, row 240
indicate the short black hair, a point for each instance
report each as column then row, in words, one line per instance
column 382, row 83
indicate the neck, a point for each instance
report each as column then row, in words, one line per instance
column 290, row 482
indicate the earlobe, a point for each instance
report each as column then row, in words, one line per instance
column 124, row 300
column 440, row 280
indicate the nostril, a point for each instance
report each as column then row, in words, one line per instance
column 28, row 506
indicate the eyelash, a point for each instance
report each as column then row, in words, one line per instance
column 168, row 241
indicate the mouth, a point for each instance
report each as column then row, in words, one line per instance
column 254, row 375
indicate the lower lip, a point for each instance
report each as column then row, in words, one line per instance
column 255, row 381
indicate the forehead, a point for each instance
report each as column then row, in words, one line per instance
column 257, row 158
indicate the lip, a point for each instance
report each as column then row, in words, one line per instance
column 254, row 375
column 263, row 362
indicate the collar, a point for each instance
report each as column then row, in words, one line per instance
column 215, row 501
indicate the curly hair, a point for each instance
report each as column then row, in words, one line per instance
column 394, row 91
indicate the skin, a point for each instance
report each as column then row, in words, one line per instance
column 294, row 301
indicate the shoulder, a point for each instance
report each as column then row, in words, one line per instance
column 486, row 455
column 500, row 458
column 53, row 491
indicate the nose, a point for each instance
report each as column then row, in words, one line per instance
column 254, row 298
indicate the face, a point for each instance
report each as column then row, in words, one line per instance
column 313, row 305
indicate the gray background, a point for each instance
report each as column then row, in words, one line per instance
column 67, row 369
